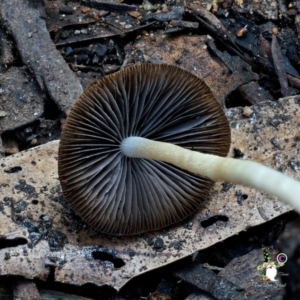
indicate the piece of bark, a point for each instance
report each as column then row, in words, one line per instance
column 206, row 280
column 253, row 93
column 1, row 148
column 25, row 21
column 279, row 66
column 6, row 52
column 264, row 48
column 20, row 97
column 294, row 81
column 24, row 289
column 236, row 66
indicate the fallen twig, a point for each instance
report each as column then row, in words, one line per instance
column 26, row 24
column 100, row 5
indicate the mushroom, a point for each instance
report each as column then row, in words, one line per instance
column 142, row 147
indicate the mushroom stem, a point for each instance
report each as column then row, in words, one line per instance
column 217, row 168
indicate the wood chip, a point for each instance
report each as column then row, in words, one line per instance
column 247, row 111
column 85, row 10
column 135, row 14
column 24, row 289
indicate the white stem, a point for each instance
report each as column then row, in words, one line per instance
column 217, row 168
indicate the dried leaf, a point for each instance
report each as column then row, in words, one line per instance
column 49, row 234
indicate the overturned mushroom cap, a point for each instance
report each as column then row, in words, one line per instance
column 121, row 195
